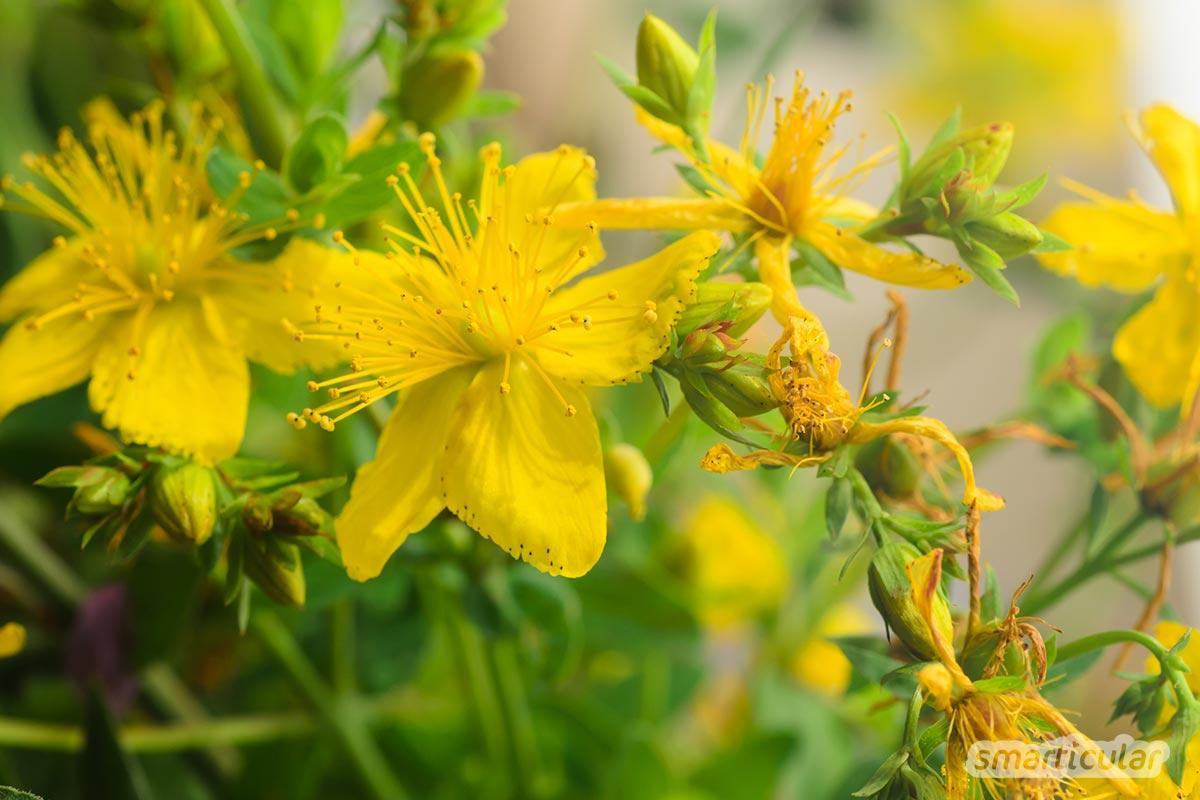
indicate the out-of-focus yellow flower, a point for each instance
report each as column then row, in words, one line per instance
column 1037, row 63
column 144, row 296
column 819, row 663
column 793, row 196
column 1129, row 246
column 12, row 639
column 736, row 569
column 820, row 412
column 480, row 318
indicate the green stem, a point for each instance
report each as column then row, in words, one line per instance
column 343, row 718
column 1190, row 535
column 226, row 732
column 520, row 725
column 344, row 655
column 263, row 116
column 1091, row 567
column 1166, row 661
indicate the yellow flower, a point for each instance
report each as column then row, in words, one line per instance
column 819, row 663
column 820, row 413
column 1162, row 787
column 794, row 196
column 735, row 569
column 483, row 319
column 12, row 639
column 144, row 295
column 1129, row 246
column 1041, row 64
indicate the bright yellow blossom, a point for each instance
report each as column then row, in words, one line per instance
column 821, row 414
column 482, row 318
column 794, row 196
column 144, row 295
column 736, row 569
column 12, row 639
column 1130, row 246
column 819, row 663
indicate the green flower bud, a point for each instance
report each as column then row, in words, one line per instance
column 739, row 304
column 183, row 500
column 985, row 150
column 891, row 593
column 744, row 390
column 274, row 564
column 889, row 466
column 101, row 491
column 704, row 347
column 1006, row 233
column 666, row 64
column 437, row 87
column 629, row 476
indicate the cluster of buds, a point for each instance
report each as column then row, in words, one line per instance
column 949, row 192
column 244, row 519
column 675, row 82
column 719, row 382
column 440, row 71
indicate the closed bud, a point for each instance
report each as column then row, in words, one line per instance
column 892, row 594
column 183, row 500
column 1006, row 233
column 275, row 566
column 629, row 476
column 437, row 87
column 666, row 64
column 890, row 466
column 704, row 346
column 743, row 389
column 738, row 304
column 985, row 151
column 104, row 491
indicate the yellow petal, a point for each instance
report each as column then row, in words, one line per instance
column 56, row 356
column 48, row 281
column 1126, row 246
column 775, row 270
column 726, row 163
column 524, row 473
column 1159, row 346
column 903, row 268
column 654, row 213
column 603, row 341
column 189, row 388
column 260, row 313
column 1174, row 143
column 540, row 184
column 399, row 491
column 12, row 639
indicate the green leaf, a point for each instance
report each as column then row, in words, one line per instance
column 266, row 200
column 837, row 506
column 1052, row 243
column 309, row 32
column 660, row 386
column 652, row 103
column 948, row 130
column 1021, row 195
column 370, row 192
column 820, row 270
column 748, row 771
column 700, row 95
column 883, row 776
column 9, row 793
column 1001, row 684
column 905, row 150
column 103, row 764
column 985, row 263
column 316, row 155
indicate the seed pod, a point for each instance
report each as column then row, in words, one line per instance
column 892, row 594
column 1006, row 233
column 275, row 566
column 629, row 476
column 183, row 500
column 744, row 390
column 666, row 64
column 890, row 466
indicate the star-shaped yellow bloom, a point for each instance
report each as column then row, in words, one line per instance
column 144, row 294
column 483, row 318
column 794, row 196
column 1130, row 246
